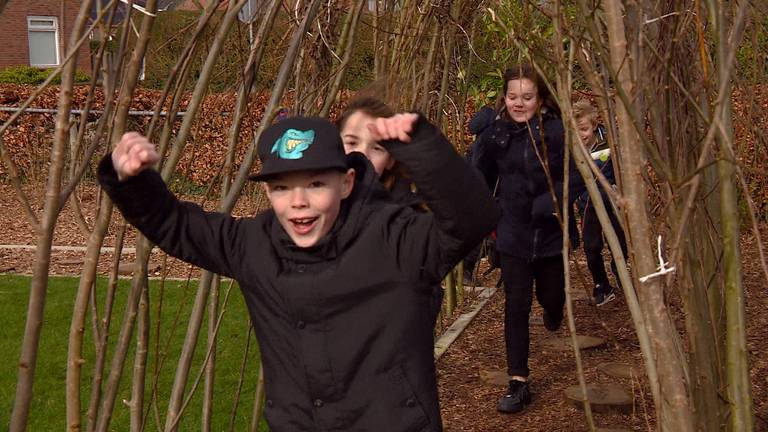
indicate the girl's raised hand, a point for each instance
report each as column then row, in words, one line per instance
column 133, row 154
column 397, row 127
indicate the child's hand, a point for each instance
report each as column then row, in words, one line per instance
column 133, row 154
column 397, row 127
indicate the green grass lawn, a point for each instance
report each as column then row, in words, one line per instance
column 172, row 302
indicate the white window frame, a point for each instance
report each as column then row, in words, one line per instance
column 53, row 28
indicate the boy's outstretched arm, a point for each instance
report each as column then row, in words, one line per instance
column 182, row 229
column 463, row 211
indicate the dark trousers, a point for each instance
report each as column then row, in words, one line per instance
column 520, row 275
column 470, row 261
column 435, row 304
column 592, row 232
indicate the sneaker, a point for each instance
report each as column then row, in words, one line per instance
column 517, row 397
column 603, row 294
column 552, row 323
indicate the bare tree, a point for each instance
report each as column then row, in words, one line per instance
column 39, row 284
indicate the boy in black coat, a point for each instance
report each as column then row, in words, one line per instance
column 337, row 278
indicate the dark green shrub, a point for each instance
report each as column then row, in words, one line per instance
column 29, row 75
column 752, row 54
column 173, row 29
column 21, row 75
column 169, row 37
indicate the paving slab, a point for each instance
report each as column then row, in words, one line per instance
column 564, row 343
column 618, row 370
column 494, row 377
column 602, row 398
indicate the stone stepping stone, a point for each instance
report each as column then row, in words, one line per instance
column 602, row 398
column 495, row 377
column 126, row 269
column 72, row 261
column 564, row 343
column 579, row 295
column 618, row 370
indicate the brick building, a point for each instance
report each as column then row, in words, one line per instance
column 35, row 32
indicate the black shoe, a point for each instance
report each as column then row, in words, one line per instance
column 517, row 397
column 552, row 323
column 603, row 294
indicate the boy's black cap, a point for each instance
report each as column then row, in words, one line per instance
column 298, row 144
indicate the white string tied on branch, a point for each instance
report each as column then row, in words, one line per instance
column 662, row 268
column 139, row 8
column 653, row 20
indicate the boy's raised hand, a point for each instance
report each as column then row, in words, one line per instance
column 132, row 155
column 397, row 127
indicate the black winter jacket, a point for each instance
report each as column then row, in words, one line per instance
column 510, row 153
column 344, row 340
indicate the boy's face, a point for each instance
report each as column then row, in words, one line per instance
column 307, row 203
column 585, row 127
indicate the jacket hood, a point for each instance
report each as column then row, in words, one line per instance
column 367, row 195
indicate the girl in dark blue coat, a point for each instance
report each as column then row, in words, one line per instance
column 523, row 150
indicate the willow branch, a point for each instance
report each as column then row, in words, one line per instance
column 348, row 47
column 39, row 284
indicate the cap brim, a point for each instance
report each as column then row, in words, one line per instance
column 262, row 176
column 258, row 177
column 266, row 175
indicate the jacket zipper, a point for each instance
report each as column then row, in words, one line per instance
column 536, row 231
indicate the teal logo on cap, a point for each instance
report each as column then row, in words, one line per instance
column 293, row 143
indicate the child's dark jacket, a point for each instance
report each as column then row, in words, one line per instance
column 343, row 327
column 605, row 167
column 514, row 153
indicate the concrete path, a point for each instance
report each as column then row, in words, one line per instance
column 454, row 331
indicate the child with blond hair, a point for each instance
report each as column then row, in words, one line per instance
column 592, row 136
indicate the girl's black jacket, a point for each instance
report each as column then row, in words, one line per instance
column 345, row 342
column 515, row 154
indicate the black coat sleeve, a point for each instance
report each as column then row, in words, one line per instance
column 214, row 241
column 462, row 209
column 481, row 120
column 484, row 158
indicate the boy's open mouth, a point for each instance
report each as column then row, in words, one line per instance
column 303, row 225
